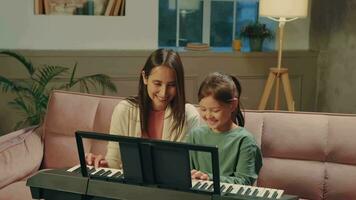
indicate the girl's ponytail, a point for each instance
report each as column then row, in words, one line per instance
column 240, row 119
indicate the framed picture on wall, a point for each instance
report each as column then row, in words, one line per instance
column 79, row 7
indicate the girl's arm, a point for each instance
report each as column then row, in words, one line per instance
column 249, row 163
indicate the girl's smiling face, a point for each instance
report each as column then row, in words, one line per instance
column 216, row 114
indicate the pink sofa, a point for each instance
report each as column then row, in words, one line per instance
column 312, row 155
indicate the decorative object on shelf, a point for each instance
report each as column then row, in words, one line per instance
column 256, row 33
column 90, row 7
column 195, row 46
column 281, row 11
column 236, row 45
column 80, row 7
column 31, row 95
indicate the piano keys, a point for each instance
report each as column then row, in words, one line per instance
column 101, row 172
column 227, row 189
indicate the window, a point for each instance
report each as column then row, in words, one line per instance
column 215, row 22
column 221, row 23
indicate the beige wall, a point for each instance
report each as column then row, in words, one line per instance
column 21, row 29
column 124, row 67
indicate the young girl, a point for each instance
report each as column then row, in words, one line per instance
column 240, row 158
column 159, row 110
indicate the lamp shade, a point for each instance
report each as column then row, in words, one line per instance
column 283, row 8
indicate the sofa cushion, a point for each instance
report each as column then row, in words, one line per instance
column 20, row 155
column 295, row 136
column 67, row 113
column 303, row 178
column 340, row 181
column 16, row 191
column 341, row 140
column 340, row 169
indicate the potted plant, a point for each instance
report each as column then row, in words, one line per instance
column 31, row 95
column 256, row 33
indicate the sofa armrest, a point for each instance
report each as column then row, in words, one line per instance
column 21, row 155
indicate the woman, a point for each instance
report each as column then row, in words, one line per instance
column 159, row 111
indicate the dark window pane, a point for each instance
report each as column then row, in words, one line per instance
column 167, row 23
column 269, row 45
column 247, row 12
column 190, row 21
column 221, row 23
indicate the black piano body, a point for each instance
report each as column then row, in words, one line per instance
column 143, row 176
column 64, row 185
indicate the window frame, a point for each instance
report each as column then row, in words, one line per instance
column 206, row 23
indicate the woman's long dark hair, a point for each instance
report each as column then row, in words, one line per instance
column 171, row 59
column 223, row 88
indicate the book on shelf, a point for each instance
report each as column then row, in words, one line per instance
column 117, row 7
column 38, row 7
column 46, row 7
column 122, row 8
column 100, row 7
column 195, row 46
column 90, row 7
column 110, row 7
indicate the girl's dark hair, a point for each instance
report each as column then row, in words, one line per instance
column 170, row 59
column 223, row 88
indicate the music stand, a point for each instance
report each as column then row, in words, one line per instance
column 153, row 162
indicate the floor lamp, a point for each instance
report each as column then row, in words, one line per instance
column 281, row 11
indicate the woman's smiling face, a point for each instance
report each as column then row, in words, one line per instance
column 161, row 86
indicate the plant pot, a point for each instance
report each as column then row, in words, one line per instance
column 256, row 44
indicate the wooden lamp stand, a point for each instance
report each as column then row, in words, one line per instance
column 279, row 74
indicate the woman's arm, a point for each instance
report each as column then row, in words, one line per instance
column 193, row 117
column 119, row 126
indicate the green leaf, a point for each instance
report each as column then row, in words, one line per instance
column 26, row 63
column 71, row 80
column 20, row 89
column 19, row 104
column 84, row 86
column 32, row 94
column 102, row 80
column 256, row 30
column 40, row 97
column 7, row 84
column 44, row 75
